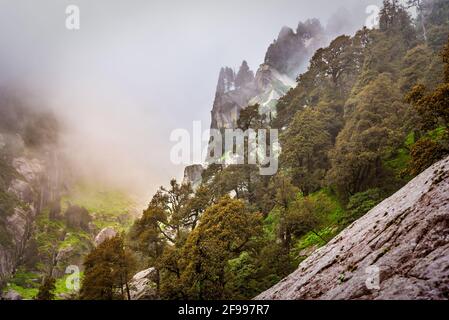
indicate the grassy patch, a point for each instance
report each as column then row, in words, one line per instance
column 110, row 208
column 24, row 283
column 61, row 287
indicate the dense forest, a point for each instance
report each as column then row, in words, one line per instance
column 370, row 113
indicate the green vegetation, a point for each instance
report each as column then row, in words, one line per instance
column 46, row 290
column 109, row 268
column 24, row 283
column 110, row 208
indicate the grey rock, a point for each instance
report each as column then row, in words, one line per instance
column 29, row 169
column 143, row 285
column 11, row 295
column 192, row 175
column 403, row 243
column 21, row 190
column 105, row 234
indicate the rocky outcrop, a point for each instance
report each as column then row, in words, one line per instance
column 193, row 175
column 291, row 51
column 105, row 234
column 19, row 212
column 233, row 93
column 398, row 250
column 285, row 59
column 143, row 285
column 11, row 295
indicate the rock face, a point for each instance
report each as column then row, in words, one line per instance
column 104, row 234
column 285, row 59
column 19, row 201
column 291, row 51
column 192, row 175
column 143, row 285
column 399, row 250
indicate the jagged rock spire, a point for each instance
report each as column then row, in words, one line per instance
column 244, row 75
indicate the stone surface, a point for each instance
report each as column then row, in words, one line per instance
column 11, row 295
column 405, row 239
column 285, row 59
column 192, row 175
column 143, row 285
column 105, row 234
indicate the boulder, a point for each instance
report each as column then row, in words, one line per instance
column 11, row 295
column 105, row 234
column 399, row 250
column 143, row 285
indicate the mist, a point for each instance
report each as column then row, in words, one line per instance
column 137, row 70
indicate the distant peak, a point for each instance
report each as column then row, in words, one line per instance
column 286, row 32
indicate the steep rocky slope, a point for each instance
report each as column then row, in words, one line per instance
column 405, row 239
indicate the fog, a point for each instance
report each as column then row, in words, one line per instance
column 138, row 69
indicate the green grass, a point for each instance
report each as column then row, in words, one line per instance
column 27, row 285
column 76, row 239
column 270, row 224
column 399, row 161
column 24, row 283
column 331, row 227
column 111, row 208
column 61, row 286
column 25, row 293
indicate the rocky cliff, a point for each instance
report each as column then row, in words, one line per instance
column 285, row 59
column 30, row 177
column 399, row 250
column 193, row 175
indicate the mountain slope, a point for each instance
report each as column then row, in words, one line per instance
column 406, row 237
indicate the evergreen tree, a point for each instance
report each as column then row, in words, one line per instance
column 224, row 232
column 47, row 289
column 108, row 270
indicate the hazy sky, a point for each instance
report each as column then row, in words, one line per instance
column 137, row 69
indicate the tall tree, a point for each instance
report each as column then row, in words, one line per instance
column 108, row 270
column 47, row 289
column 224, row 232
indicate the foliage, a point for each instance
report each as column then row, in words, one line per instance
column 108, row 270
column 432, row 109
column 361, row 203
column 225, row 231
column 46, row 290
